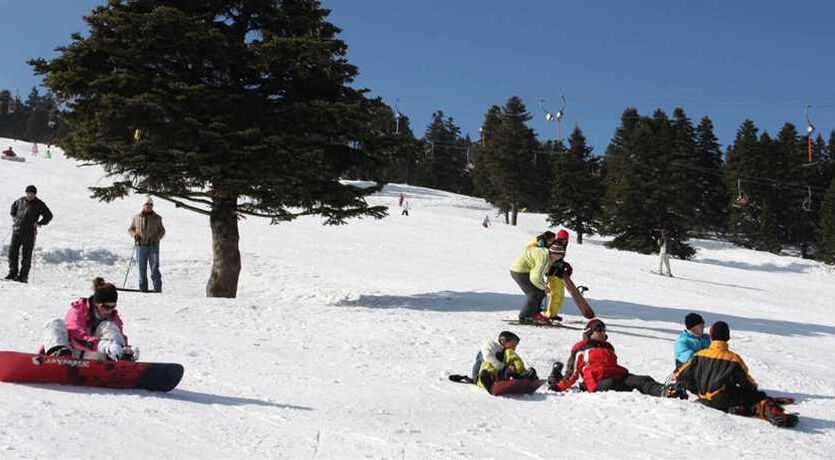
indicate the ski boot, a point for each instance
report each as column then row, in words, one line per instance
column 774, row 414
column 556, row 376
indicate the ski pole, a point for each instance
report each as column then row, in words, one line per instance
column 34, row 242
column 130, row 263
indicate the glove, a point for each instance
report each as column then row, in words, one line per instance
column 113, row 350
column 130, row 353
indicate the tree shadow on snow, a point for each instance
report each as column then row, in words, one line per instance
column 613, row 309
column 452, row 301
column 445, row 301
column 793, row 267
column 209, row 398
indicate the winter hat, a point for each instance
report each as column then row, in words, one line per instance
column 591, row 326
column 104, row 292
column 693, row 319
column 31, row 188
column 720, row 331
column 149, row 201
column 562, row 235
column 507, row 335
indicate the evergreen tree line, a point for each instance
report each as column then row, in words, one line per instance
column 34, row 120
column 658, row 172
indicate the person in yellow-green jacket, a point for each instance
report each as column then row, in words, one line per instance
column 500, row 362
column 528, row 271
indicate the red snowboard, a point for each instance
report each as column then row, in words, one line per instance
column 518, row 386
column 30, row 368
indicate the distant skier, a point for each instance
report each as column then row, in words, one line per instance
column 720, row 379
column 691, row 340
column 35, row 149
column 593, row 360
column 486, row 222
column 147, row 231
column 9, row 152
column 91, row 329
column 528, row 271
column 28, row 213
column 406, row 206
column 400, row 199
column 664, row 258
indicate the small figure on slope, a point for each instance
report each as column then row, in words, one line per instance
column 720, row 379
column 91, row 329
column 593, row 360
column 663, row 256
column 691, row 340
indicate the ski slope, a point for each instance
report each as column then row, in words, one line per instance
column 341, row 339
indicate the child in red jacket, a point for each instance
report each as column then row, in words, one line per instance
column 594, row 361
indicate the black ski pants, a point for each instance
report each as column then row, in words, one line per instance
column 26, row 241
column 643, row 383
column 736, row 397
column 533, row 294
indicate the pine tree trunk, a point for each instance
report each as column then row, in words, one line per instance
column 226, row 261
column 580, row 233
column 506, row 218
column 513, row 213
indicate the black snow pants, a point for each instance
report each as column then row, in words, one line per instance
column 643, row 383
column 533, row 294
column 26, row 241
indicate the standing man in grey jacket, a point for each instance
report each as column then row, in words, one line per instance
column 147, row 231
column 28, row 213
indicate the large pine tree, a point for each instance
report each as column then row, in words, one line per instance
column 445, row 162
column 509, row 157
column 241, row 108
column 712, row 195
column 576, row 188
column 648, row 185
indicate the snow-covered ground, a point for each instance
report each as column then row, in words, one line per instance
column 342, row 337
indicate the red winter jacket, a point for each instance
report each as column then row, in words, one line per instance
column 592, row 361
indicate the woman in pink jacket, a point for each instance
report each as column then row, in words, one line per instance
column 91, row 329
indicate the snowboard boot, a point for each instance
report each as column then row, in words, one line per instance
column 556, row 318
column 675, row 390
column 539, row 318
column 774, row 414
column 22, row 279
column 556, row 376
column 11, row 276
column 60, row 350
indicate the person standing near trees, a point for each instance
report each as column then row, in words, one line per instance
column 663, row 256
column 147, row 231
column 28, row 214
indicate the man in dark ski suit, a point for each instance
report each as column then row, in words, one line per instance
column 28, row 214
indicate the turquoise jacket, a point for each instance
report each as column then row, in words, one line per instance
column 687, row 344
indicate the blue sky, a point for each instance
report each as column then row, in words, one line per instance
column 730, row 60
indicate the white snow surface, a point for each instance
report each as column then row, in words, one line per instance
column 341, row 339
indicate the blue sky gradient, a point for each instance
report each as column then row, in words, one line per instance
column 730, row 60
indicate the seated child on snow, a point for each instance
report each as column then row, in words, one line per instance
column 499, row 361
column 91, row 329
column 691, row 340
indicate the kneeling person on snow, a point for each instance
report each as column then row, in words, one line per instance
column 594, row 361
column 91, row 329
column 720, row 379
column 500, row 362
